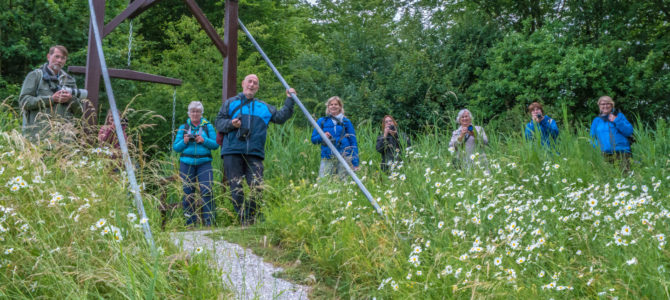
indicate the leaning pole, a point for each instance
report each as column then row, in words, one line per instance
column 130, row 171
column 313, row 123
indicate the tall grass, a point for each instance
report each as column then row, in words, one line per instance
column 68, row 229
column 560, row 223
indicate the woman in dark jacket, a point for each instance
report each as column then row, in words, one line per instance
column 341, row 133
column 195, row 141
column 391, row 143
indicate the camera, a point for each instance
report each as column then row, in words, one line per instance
column 191, row 137
column 78, row 93
column 470, row 128
column 538, row 116
column 392, row 127
column 243, row 133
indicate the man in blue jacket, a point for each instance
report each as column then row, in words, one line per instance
column 547, row 126
column 244, row 121
column 611, row 131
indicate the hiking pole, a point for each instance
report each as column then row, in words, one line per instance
column 130, row 171
column 313, row 123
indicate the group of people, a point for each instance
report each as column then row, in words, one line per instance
column 240, row 129
column 610, row 131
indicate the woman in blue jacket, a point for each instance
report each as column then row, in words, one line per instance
column 611, row 131
column 195, row 141
column 340, row 131
column 543, row 124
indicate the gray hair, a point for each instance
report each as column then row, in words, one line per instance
column 196, row 105
column 461, row 113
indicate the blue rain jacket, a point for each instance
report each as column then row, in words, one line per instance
column 344, row 138
column 611, row 137
column 194, row 153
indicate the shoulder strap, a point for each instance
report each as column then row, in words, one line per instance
column 187, row 127
column 344, row 129
column 240, row 106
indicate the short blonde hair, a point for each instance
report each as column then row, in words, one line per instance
column 605, row 99
column 196, row 105
column 335, row 98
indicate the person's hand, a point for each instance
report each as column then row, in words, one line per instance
column 290, row 91
column 464, row 130
column 199, row 139
column 386, row 131
column 186, row 138
column 611, row 117
column 357, row 168
column 61, row 96
column 392, row 132
column 328, row 135
column 237, row 123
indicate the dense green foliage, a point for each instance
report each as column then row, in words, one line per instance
column 417, row 60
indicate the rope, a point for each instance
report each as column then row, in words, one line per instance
column 130, row 40
column 174, row 107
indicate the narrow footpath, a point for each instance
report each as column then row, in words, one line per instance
column 243, row 272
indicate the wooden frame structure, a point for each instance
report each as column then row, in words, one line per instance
column 227, row 47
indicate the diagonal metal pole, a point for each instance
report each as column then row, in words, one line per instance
column 130, row 171
column 313, row 123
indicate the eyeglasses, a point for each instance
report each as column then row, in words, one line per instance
column 605, row 104
column 195, row 112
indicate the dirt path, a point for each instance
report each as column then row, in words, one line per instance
column 243, row 272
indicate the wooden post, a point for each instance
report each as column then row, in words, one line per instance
column 230, row 61
column 93, row 69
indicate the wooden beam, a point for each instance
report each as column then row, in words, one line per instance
column 147, row 4
column 131, row 75
column 209, row 29
column 132, row 7
column 230, row 61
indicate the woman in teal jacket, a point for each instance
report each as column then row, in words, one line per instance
column 611, row 131
column 195, row 141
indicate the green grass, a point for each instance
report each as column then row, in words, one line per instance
column 529, row 229
column 69, row 230
column 540, row 225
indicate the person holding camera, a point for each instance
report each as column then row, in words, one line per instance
column 612, row 132
column 195, row 141
column 48, row 92
column 340, row 131
column 107, row 135
column 244, row 121
column 468, row 140
column 389, row 143
column 541, row 123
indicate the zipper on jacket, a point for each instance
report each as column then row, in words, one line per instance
column 250, row 115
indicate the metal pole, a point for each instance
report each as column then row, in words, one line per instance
column 311, row 121
column 119, row 132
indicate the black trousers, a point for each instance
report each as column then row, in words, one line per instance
column 238, row 167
